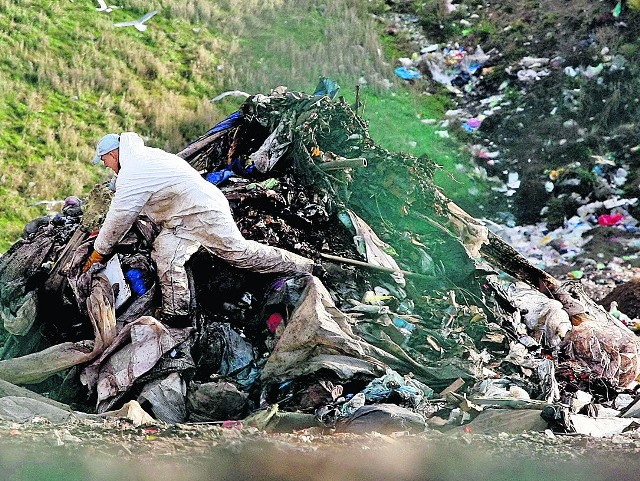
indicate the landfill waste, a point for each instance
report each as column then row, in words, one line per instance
column 547, row 247
column 421, row 309
column 547, row 86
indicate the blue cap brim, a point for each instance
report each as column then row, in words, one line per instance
column 97, row 159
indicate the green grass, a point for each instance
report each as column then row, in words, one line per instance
column 395, row 123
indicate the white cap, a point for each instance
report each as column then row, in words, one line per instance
column 106, row 144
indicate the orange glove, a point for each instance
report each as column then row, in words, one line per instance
column 93, row 258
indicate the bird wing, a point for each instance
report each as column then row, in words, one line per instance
column 125, row 24
column 235, row 93
column 147, row 16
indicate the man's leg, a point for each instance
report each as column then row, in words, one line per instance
column 170, row 254
column 218, row 233
column 257, row 257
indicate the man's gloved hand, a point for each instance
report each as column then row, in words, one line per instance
column 93, row 258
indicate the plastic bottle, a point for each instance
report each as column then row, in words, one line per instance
column 405, row 328
column 402, row 324
column 136, row 280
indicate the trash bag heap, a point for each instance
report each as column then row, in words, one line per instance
column 424, row 317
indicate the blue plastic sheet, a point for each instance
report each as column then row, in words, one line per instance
column 235, row 168
column 227, row 123
column 219, row 176
column 407, row 74
column 231, row 121
column 326, row 87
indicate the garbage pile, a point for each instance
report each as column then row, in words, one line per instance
column 525, row 94
column 423, row 319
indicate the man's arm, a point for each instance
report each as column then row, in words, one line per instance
column 123, row 212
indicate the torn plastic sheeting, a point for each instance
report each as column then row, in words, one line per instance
column 231, row 121
column 548, row 383
column 545, row 369
column 20, row 323
column 386, row 337
column 167, row 398
column 498, row 388
column 435, row 374
column 238, row 354
column 317, row 329
column 609, row 351
column 599, row 427
column 409, row 390
column 38, row 366
column 17, row 271
column 273, row 148
column 327, row 87
column 382, row 418
column 345, row 367
column 23, row 409
column 545, row 318
column 136, row 349
column 375, row 247
column 472, row 62
column 514, row 421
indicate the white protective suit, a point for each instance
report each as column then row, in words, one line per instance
column 191, row 213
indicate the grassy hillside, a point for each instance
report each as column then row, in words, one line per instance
column 69, row 76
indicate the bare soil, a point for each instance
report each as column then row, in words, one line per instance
column 118, row 450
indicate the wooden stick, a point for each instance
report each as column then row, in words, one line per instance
column 371, row 266
column 343, row 164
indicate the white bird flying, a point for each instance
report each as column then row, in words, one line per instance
column 103, row 7
column 139, row 24
column 234, row 93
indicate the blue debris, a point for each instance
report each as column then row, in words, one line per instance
column 468, row 128
column 234, row 168
column 326, row 87
column 227, row 123
column 219, row 176
column 407, row 74
column 136, row 280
